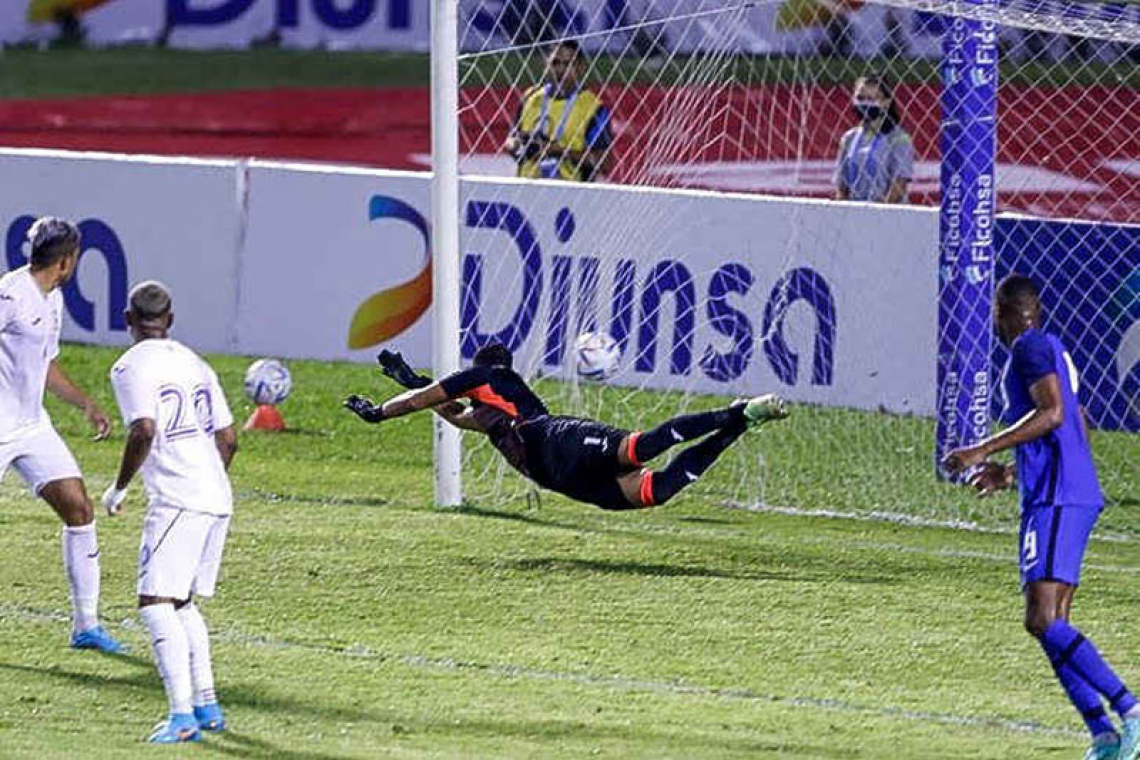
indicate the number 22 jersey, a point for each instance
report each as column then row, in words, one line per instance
column 163, row 380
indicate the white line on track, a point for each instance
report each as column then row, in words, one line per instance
column 620, row 683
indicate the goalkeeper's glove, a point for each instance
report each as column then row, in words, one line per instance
column 393, row 365
column 364, row 408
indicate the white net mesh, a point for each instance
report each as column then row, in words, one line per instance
column 713, row 291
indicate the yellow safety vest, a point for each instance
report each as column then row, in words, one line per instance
column 565, row 128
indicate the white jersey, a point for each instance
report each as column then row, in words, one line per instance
column 29, row 339
column 163, row 380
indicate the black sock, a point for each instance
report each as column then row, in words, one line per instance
column 687, row 427
column 691, row 463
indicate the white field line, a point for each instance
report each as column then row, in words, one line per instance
column 1004, row 559
column 615, row 682
column 883, row 516
column 899, row 518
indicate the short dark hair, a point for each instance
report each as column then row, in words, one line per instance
column 51, row 239
column 494, row 355
column 571, row 45
column 150, row 300
column 1017, row 289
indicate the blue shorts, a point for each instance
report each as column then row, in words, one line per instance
column 1052, row 543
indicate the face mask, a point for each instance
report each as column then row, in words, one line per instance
column 868, row 111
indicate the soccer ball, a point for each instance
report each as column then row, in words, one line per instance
column 267, row 381
column 597, row 355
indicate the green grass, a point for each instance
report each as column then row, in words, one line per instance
column 355, row 620
column 142, row 71
column 29, row 73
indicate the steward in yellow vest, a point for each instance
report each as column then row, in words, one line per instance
column 562, row 129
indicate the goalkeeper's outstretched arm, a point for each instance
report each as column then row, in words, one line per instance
column 422, row 394
column 458, row 415
column 393, row 364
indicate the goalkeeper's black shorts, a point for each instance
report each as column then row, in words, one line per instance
column 576, row 458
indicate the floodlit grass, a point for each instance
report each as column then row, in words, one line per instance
column 28, row 73
column 138, row 70
column 355, row 620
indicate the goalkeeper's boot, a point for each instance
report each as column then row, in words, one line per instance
column 764, row 408
column 177, row 728
column 210, row 717
column 96, row 638
column 1130, row 739
column 1107, row 748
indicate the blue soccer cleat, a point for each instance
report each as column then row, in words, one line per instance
column 1130, row 740
column 177, row 728
column 1105, row 750
column 210, row 717
column 764, row 408
column 96, row 638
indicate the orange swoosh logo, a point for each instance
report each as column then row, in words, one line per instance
column 386, row 314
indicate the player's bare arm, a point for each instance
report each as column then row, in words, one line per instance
column 459, row 415
column 406, row 403
column 992, row 477
column 226, row 442
column 1046, row 417
column 140, row 438
column 394, row 366
column 62, row 386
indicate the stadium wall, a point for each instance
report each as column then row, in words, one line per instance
column 317, row 262
column 361, row 24
column 711, row 292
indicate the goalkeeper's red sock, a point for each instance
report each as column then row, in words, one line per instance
column 691, row 463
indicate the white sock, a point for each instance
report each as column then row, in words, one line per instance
column 171, row 653
column 1134, row 712
column 201, row 668
column 81, row 561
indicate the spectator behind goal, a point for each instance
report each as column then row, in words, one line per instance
column 876, row 158
column 562, row 128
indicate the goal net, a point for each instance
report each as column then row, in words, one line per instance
column 666, row 172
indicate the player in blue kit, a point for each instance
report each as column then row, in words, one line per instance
column 1060, row 502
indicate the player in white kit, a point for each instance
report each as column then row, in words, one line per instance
column 31, row 315
column 181, row 435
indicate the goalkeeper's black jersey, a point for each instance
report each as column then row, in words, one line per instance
column 501, row 401
column 497, row 387
column 575, row 457
column 503, row 431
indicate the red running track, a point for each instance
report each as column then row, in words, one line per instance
column 1064, row 152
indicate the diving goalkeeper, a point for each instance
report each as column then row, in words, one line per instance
column 586, row 460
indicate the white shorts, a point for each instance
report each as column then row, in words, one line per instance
column 40, row 456
column 181, row 552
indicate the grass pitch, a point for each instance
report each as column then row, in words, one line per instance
column 30, row 73
column 354, row 620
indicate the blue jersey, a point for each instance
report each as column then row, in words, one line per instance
column 1057, row 469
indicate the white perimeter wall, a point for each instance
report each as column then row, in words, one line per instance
column 275, row 259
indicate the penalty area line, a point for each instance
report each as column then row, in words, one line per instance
column 615, row 682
